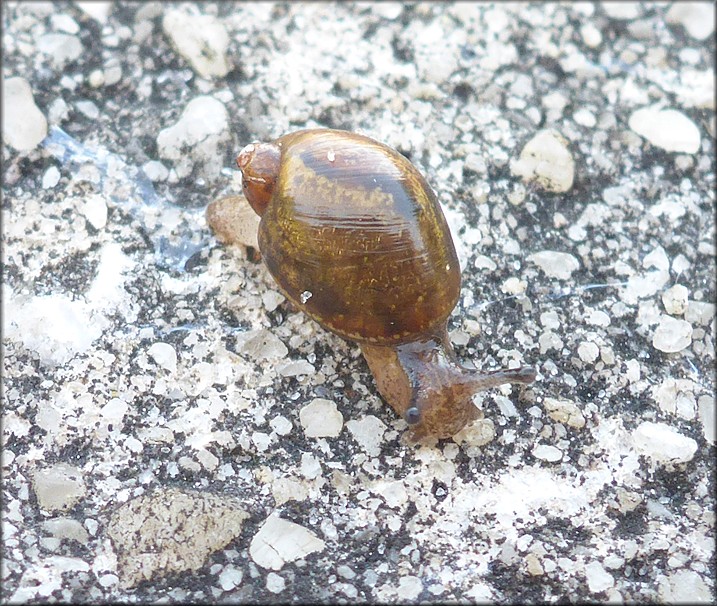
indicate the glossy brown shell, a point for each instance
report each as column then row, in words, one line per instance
column 355, row 237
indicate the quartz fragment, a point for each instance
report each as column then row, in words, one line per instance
column 668, row 129
column 23, row 124
column 672, row 335
column 547, row 160
column 321, row 419
column 662, row 443
column 555, row 264
column 280, row 541
column 200, row 39
column 58, row 487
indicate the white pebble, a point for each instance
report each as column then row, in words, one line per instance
column 598, row 578
column 99, row 11
column 564, row 411
column 555, row 264
column 280, row 541
column 588, row 352
column 675, row 299
column 95, row 211
column 409, row 588
column 23, row 124
column 368, row 432
column 260, row 345
column 666, row 128
column 625, row 11
column 321, row 419
column 196, row 137
column 700, row 312
column 200, row 39
column 155, row 171
column 672, row 335
column 164, row 355
column 514, row 286
column 281, row 425
column 88, row 108
column 294, row 368
column 662, row 443
column 545, row 452
column 585, row 117
column 706, row 411
column 547, row 160
column 275, row 583
column 51, row 177
column 61, row 48
column 698, row 18
column 230, row 577
column 591, row 35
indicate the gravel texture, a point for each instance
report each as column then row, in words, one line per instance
column 173, row 431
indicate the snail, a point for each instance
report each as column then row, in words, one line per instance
column 355, row 237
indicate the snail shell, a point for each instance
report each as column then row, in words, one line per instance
column 355, row 237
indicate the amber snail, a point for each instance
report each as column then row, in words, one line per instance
column 355, row 237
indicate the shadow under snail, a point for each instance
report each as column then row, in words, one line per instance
column 355, row 238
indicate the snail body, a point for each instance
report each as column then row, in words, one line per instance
column 355, row 238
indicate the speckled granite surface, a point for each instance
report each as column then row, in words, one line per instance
column 174, row 431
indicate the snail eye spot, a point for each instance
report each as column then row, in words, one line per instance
column 413, row 415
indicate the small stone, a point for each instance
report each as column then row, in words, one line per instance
column 275, row 583
column 545, row 452
column 271, row 299
column 368, row 432
column 200, row 39
column 700, row 312
column 99, row 11
column 662, row 443
column 625, row 11
column 230, row 577
column 164, row 355
column 61, row 48
column 706, row 412
column 591, row 35
column 197, row 137
column 675, row 299
column 533, row 565
column 672, row 335
column 95, row 211
column 58, row 487
column 260, row 345
column 685, row 587
column 547, row 160
column 564, row 411
column 598, row 578
column 96, row 78
column 514, row 286
column 555, row 264
column 233, row 221
column 668, row 129
column 281, row 425
column 66, row 528
column 23, row 124
column 51, row 177
column 279, row 542
column 698, row 18
column 409, row 588
column 478, row 433
column 321, row 419
column 155, row 171
column 588, row 352
column 88, row 108
column 294, row 368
